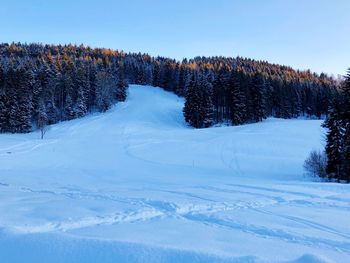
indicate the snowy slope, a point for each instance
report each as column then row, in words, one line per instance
column 137, row 185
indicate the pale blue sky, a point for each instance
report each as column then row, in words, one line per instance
column 311, row 34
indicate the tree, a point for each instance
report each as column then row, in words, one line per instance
column 80, row 106
column 103, row 90
column 338, row 136
column 82, row 84
column 197, row 105
column 258, row 110
column 206, row 90
column 345, row 116
column 68, row 108
column 24, row 110
column 236, row 101
column 315, row 164
column 121, row 85
column 42, row 120
column 334, row 146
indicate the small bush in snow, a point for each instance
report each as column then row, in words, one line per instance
column 315, row 164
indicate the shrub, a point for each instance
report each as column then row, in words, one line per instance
column 315, row 164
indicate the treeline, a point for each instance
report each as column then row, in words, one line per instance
column 42, row 85
column 237, row 91
column 54, row 83
column 338, row 136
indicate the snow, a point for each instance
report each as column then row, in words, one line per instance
column 136, row 184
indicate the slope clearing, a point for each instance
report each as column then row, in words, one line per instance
column 137, row 185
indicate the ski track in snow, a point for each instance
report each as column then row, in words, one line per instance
column 139, row 165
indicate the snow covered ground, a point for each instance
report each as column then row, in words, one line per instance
column 137, row 185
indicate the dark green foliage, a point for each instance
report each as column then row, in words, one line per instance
column 236, row 101
column 338, row 136
column 68, row 80
column 57, row 83
column 257, row 110
column 198, row 109
column 121, row 85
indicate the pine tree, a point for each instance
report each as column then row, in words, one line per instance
column 82, row 85
column 80, row 108
column 52, row 111
column 258, row 111
column 24, row 114
column 345, row 116
column 121, row 85
column 3, row 106
column 206, row 91
column 197, row 105
column 68, row 108
column 220, row 91
column 180, row 89
column 237, row 98
column 103, row 91
column 334, row 147
column 338, row 136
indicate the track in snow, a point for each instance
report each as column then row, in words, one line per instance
column 137, row 185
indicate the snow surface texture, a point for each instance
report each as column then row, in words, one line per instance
column 137, row 185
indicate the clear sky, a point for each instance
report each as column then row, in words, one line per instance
column 305, row 34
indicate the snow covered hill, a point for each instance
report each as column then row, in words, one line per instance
column 137, row 185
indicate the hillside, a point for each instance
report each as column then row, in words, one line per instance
column 136, row 184
column 46, row 84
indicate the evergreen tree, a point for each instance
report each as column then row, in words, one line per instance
column 3, row 99
column 24, row 82
column 257, row 110
column 80, row 108
column 121, row 85
column 52, row 111
column 345, row 116
column 82, row 85
column 196, row 109
column 206, row 90
column 68, row 108
column 338, row 136
column 103, row 91
column 334, row 147
column 237, row 99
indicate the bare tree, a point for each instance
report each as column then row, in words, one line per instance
column 315, row 164
column 42, row 120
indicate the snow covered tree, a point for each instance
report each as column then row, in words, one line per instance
column 206, row 90
column 257, row 109
column 334, row 147
column 237, row 101
column 82, row 85
column 338, row 136
column 68, row 108
column 121, row 85
column 80, row 105
column 51, row 111
column 24, row 82
column 104, row 89
column 197, row 105
column 345, row 116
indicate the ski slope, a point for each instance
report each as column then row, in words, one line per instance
column 136, row 184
